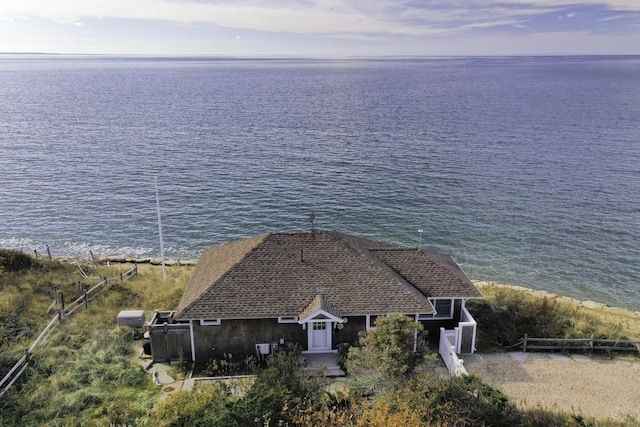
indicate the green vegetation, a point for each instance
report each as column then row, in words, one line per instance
column 81, row 374
column 86, row 373
column 385, row 357
column 11, row 261
column 26, row 291
column 404, row 397
column 506, row 314
column 279, row 393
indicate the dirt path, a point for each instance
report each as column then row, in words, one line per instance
column 595, row 386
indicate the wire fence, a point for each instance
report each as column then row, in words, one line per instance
column 21, row 366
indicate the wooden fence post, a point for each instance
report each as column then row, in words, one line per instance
column 524, row 344
column 62, row 299
column 86, row 299
column 591, row 343
column 48, row 252
column 35, row 251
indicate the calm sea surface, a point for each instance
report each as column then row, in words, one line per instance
column 525, row 170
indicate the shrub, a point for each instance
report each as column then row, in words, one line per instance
column 506, row 315
column 385, row 356
column 12, row 261
column 206, row 406
column 280, row 391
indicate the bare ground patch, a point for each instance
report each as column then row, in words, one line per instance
column 595, row 386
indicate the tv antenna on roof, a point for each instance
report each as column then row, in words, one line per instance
column 420, row 231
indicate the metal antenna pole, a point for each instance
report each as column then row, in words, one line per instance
column 164, row 268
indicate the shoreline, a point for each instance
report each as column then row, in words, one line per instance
column 587, row 304
column 128, row 259
column 597, row 307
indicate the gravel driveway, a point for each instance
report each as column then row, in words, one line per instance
column 594, row 385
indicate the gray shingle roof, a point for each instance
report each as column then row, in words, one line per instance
column 435, row 275
column 280, row 274
column 318, row 303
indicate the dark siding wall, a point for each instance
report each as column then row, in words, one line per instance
column 432, row 327
column 457, row 310
column 239, row 337
column 172, row 342
column 350, row 332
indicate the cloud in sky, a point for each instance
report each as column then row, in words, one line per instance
column 325, row 27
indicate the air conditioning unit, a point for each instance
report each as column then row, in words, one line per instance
column 263, row 349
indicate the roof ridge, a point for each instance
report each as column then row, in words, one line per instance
column 402, row 281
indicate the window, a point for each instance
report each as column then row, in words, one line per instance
column 371, row 321
column 444, row 308
column 319, row 326
column 210, row 322
column 288, row 319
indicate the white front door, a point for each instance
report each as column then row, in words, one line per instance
column 319, row 336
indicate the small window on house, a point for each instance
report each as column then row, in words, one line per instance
column 319, row 326
column 288, row 319
column 444, row 308
column 371, row 321
column 210, row 322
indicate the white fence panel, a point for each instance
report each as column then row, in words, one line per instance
column 447, row 351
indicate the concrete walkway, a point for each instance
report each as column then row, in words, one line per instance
column 161, row 373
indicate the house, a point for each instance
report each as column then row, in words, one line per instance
column 319, row 289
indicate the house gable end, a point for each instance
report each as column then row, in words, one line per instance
column 321, row 315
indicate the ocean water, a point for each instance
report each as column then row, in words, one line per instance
column 526, row 170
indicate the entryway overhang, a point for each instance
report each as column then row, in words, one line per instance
column 319, row 318
column 320, row 309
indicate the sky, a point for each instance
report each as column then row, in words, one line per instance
column 321, row 27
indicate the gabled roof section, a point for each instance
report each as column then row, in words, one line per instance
column 288, row 274
column 319, row 304
column 435, row 275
